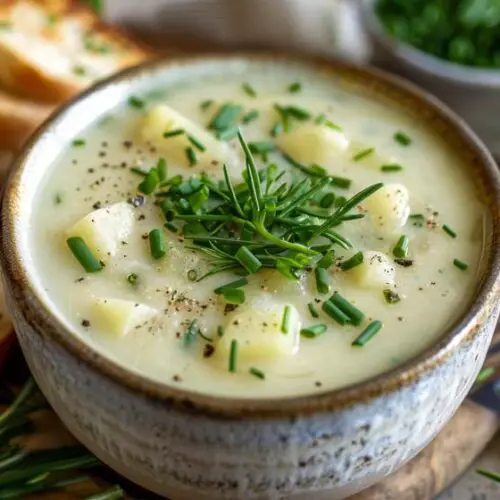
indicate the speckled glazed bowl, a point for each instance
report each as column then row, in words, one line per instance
column 195, row 447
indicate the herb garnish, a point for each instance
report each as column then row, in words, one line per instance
column 83, row 254
column 157, row 244
column 449, row 231
column 401, row 248
column 352, row 312
column 295, row 87
column 257, row 373
column 78, row 143
column 190, row 335
column 460, row 264
column 391, row 297
column 285, row 321
column 394, row 167
column 402, row 138
column 249, row 90
column 363, row 154
column 313, row 331
column 136, row 102
column 312, row 309
column 233, row 356
column 368, row 333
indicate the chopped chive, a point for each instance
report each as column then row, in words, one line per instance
column 285, row 321
column 322, row 284
column 257, row 373
column 151, row 180
column 352, row 312
column 192, row 275
column 248, row 260
column 234, row 295
column 171, row 227
column 391, row 168
column 312, row 309
column 313, row 331
column 78, row 143
column 354, row 261
column 250, row 116
column 296, row 112
column 157, row 244
column 460, row 264
column 83, row 254
column 261, row 147
column 485, row 374
column 494, row 476
column 227, row 134
column 204, row 337
column 190, row 335
column 138, row 171
column 234, row 284
column 402, row 138
column 249, row 90
column 295, row 87
column 327, row 260
column 173, row 133
column 449, row 231
column 225, row 117
column 161, row 169
column 341, row 182
column 333, row 126
column 418, row 219
column 401, row 248
column 196, row 143
column 320, row 119
column 327, row 200
column 136, row 102
column 340, row 200
column 335, row 313
column 220, row 331
column 132, row 278
column 58, row 199
column 363, row 154
column 277, row 129
column 206, row 104
column 79, row 70
column 391, row 297
column 368, row 333
column 233, row 356
column 191, row 156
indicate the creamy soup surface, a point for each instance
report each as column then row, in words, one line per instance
column 320, row 303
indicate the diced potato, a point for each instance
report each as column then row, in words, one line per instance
column 118, row 317
column 313, row 143
column 376, row 271
column 259, row 335
column 389, row 207
column 104, row 230
column 162, row 119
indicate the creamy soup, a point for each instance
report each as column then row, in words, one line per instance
column 343, row 239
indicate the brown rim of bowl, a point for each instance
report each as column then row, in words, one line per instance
column 464, row 329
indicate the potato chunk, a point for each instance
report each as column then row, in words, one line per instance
column 259, row 335
column 313, row 143
column 118, row 317
column 104, row 229
column 162, row 119
column 389, row 207
column 376, row 271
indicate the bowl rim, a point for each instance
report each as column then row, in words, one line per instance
column 465, row 328
column 420, row 60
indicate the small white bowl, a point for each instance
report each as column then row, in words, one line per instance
column 474, row 93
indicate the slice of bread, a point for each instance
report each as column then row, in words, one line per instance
column 52, row 49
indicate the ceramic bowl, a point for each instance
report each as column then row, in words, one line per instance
column 186, row 445
column 474, row 93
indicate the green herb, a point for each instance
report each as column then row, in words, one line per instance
column 249, row 90
column 78, row 143
column 133, row 278
column 173, row 133
column 58, row 199
column 227, row 134
column 115, row 493
column 220, row 331
column 313, row 170
column 333, row 126
column 196, row 143
column 261, row 148
column 293, row 112
column 189, row 336
column 489, row 474
column 401, row 248
column 341, row 182
column 79, row 70
column 402, row 138
column 418, row 219
column 234, row 284
column 136, row 102
column 368, row 333
column 138, row 171
column 295, row 87
column 250, row 116
column 363, row 154
column 460, row 264
column 327, row 200
column 161, row 169
column 485, row 373
column 157, row 244
column 248, row 260
column 322, row 284
column 391, row 297
column 353, row 313
column 192, row 275
column 257, row 373
column 234, row 295
column 233, row 356
column 287, row 317
column 312, row 309
column 171, row 227
column 449, row 231
column 391, row 168
column 191, row 156
column 313, row 331
column 320, row 119
column 206, row 104
column 277, row 129
column 335, row 313
column 83, row 254
column 151, row 180
column 354, row 261
column 225, row 117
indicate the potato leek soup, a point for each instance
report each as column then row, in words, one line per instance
column 258, row 235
